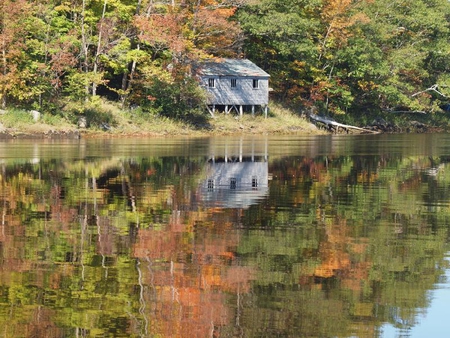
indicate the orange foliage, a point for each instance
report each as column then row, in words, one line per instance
column 336, row 253
column 12, row 43
column 62, row 60
column 162, row 31
column 41, row 324
column 192, row 273
column 210, row 27
column 193, row 28
column 338, row 17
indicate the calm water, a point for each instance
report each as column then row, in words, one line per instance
column 331, row 236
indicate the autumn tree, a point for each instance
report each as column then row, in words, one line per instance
column 174, row 37
column 282, row 39
column 16, row 71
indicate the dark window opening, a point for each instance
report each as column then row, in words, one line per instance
column 254, row 182
column 211, row 83
column 233, row 83
column 210, row 184
column 232, row 183
column 255, row 83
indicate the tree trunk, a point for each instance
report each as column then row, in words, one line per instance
column 3, row 92
column 84, row 47
column 99, row 48
column 127, row 80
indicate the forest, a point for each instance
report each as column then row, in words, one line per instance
column 328, row 56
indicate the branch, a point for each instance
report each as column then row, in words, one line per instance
column 433, row 88
column 406, row 111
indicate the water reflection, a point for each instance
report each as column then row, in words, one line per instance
column 235, row 179
column 314, row 237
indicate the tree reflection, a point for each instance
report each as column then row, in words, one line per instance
column 353, row 241
column 336, row 246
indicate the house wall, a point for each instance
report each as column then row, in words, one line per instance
column 220, row 175
column 219, row 191
column 243, row 94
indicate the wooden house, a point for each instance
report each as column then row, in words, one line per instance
column 234, row 84
column 236, row 178
column 235, row 184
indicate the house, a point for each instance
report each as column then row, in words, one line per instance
column 234, row 84
column 236, row 178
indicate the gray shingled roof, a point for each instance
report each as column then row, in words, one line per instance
column 231, row 67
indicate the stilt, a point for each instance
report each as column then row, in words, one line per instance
column 266, row 108
column 210, row 111
column 226, row 109
column 226, row 153
column 253, row 110
column 253, row 151
column 265, row 150
column 240, row 149
column 241, row 110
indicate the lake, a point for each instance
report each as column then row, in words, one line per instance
column 278, row 236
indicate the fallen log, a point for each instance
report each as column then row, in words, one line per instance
column 334, row 126
column 406, row 111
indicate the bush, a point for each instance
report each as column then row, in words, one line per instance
column 172, row 94
column 53, row 120
column 16, row 117
column 97, row 114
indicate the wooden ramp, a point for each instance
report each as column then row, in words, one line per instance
column 335, row 126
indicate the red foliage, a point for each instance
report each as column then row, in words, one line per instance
column 162, row 31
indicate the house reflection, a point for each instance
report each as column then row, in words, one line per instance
column 236, row 178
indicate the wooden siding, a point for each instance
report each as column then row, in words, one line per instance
column 220, row 174
column 243, row 94
column 235, row 185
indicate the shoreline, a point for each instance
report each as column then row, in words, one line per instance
column 65, row 134
column 281, row 121
column 89, row 134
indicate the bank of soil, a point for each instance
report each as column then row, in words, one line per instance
column 222, row 124
column 428, row 123
column 279, row 122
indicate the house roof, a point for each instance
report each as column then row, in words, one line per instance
column 231, row 67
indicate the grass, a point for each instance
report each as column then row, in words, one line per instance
column 16, row 122
column 279, row 120
column 107, row 119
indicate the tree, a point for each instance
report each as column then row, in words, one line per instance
column 341, row 55
column 15, row 70
column 409, row 37
column 175, row 37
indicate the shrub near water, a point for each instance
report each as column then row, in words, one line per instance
column 16, row 118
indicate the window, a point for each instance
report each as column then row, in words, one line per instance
column 232, row 183
column 233, row 83
column 255, row 83
column 210, row 184
column 254, row 182
column 211, row 83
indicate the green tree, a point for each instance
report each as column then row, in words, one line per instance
column 409, row 39
column 344, row 56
